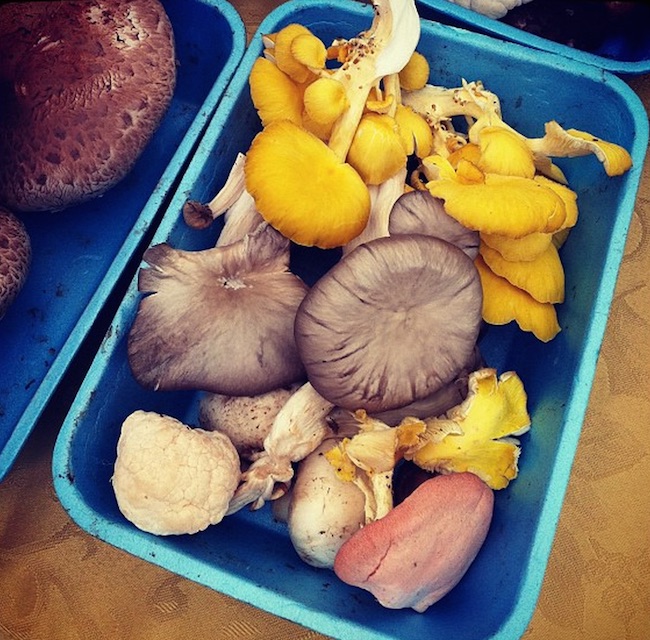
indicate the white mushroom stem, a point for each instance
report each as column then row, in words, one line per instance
column 231, row 190
column 381, row 51
column 233, row 202
column 383, row 196
column 297, row 430
column 241, row 219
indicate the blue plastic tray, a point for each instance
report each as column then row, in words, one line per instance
column 450, row 13
column 248, row 555
column 80, row 253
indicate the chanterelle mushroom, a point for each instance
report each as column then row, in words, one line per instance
column 83, row 86
column 15, row 258
column 218, row 320
column 394, row 320
column 170, row 479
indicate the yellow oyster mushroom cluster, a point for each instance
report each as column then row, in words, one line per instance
column 496, row 181
column 478, row 435
column 333, row 124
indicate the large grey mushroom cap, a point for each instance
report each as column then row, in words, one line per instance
column 15, row 258
column 392, row 322
column 218, row 320
column 84, row 85
column 420, row 212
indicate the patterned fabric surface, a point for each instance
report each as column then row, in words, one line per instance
column 59, row 583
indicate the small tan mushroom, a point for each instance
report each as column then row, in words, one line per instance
column 246, row 420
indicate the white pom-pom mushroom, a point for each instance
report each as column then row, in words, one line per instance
column 170, row 479
column 395, row 320
column 15, row 258
column 84, row 86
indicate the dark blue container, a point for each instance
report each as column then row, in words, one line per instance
column 617, row 54
column 249, row 556
column 80, row 253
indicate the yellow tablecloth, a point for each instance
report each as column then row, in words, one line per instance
column 57, row 582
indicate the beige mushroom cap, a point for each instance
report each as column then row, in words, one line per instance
column 85, row 85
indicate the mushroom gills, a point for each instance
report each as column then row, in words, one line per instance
column 396, row 319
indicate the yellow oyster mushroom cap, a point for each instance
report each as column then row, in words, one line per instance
column 415, row 73
column 477, row 435
column 542, row 277
column 284, row 56
column 504, row 303
column 615, row 158
column 504, row 152
column 377, row 152
column 414, row 131
column 518, row 249
column 309, row 50
column 505, row 205
column 302, row 189
column 572, row 143
column 322, row 131
column 325, row 100
column 274, row 95
column 569, row 197
column 470, row 152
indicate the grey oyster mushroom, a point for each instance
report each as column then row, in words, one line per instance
column 420, row 212
column 246, row 420
column 170, row 479
column 218, row 320
column 395, row 320
column 84, row 84
column 15, row 258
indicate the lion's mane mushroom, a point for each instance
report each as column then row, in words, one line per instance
column 218, row 320
column 15, row 258
column 170, row 479
column 394, row 320
column 84, row 85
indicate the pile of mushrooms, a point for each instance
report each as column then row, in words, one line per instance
column 329, row 392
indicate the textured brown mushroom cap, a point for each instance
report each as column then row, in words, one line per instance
column 15, row 258
column 83, row 85
column 392, row 322
column 420, row 212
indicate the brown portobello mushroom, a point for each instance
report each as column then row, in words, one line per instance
column 218, row 320
column 395, row 320
column 84, row 85
column 15, row 258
